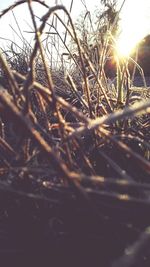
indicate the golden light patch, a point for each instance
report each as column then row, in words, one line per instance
column 134, row 26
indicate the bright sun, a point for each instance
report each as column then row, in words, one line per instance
column 125, row 48
column 134, row 26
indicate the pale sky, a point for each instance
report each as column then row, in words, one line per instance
column 23, row 17
column 135, row 17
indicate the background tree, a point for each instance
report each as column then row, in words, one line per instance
column 96, row 31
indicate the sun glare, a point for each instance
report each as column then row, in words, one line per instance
column 123, row 48
column 134, row 26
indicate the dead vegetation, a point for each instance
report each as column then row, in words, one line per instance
column 74, row 150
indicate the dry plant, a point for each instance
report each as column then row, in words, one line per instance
column 67, row 135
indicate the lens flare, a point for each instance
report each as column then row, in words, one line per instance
column 125, row 48
column 134, row 25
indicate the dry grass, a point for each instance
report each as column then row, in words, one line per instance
column 67, row 138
